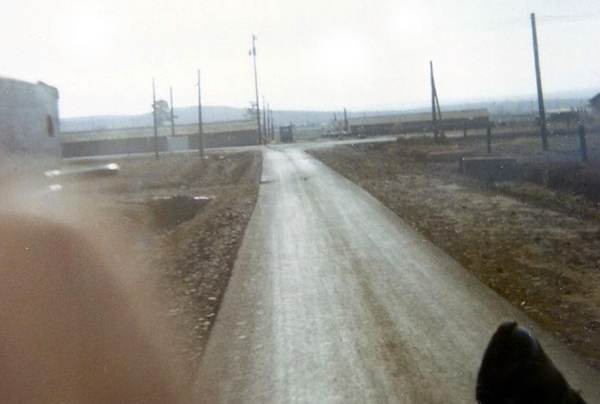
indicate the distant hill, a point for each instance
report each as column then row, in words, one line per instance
column 499, row 109
column 185, row 115
column 189, row 115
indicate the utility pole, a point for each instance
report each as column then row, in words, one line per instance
column 433, row 113
column 436, row 113
column 253, row 53
column 268, row 125
column 200, row 132
column 264, row 119
column 172, row 115
column 540, row 94
column 272, row 126
column 345, row 121
column 154, row 118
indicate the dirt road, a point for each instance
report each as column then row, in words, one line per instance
column 334, row 299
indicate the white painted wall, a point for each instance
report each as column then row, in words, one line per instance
column 29, row 124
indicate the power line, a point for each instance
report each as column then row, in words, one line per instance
column 568, row 18
column 550, row 18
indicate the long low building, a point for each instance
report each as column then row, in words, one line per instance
column 141, row 140
column 418, row 122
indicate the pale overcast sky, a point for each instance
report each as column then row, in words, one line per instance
column 312, row 54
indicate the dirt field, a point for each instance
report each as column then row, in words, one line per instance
column 535, row 240
column 190, row 244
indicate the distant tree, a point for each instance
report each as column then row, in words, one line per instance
column 162, row 111
column 251, row 111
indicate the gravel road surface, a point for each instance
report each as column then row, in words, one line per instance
column 333, row 299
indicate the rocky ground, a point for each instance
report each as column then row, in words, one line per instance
column 535, row 240
column 190, row 219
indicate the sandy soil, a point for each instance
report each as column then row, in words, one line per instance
column 536, row 244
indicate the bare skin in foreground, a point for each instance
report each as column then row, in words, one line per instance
column 72, row 327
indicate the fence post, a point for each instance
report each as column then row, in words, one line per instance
column 489, row 139
column 582, row 143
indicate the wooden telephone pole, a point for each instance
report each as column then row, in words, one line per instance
column 172, row 114
column 345, row 121
column 265, row 123
column 269, row 120
column 436, row 113
column 272, row 125
column 253, row 53
column 155, row 118
column 200, row 132
column 540, row 94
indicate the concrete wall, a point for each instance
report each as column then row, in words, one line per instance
column 234, row 139
column 165, row 143
column 113, row 147
column 29, row 124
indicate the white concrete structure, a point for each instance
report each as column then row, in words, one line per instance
column 29, row 124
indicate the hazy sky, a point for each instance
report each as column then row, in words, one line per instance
column 312, row 54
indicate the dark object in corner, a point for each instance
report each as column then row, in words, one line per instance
column 516, row 370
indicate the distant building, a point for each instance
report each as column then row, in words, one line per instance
column 141, row 140
column 29, row 124
column 563, row 116
column 286, row 134
column 595, row 101
column 418, row 122
column 595, row 104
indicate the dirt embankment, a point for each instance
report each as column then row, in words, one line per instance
column 538, row 245
column 190, row 219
